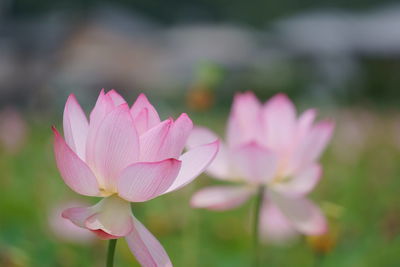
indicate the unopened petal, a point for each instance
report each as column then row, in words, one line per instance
column 146, row 248
column 221, row 197
column 75, row 173
column 146, row 180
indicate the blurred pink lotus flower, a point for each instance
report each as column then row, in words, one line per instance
column 268, row 145
column 125, row 155
column 66, row 230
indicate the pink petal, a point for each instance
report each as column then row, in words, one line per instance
column 302, row 213
column 152, row 140
column 244, row 120
column 111, row 217
column 279, row 115
column 116, row 98
column 114, row 146
column 142, row 121
column 104, row 105
column 194, row 162
column 274, row 226
column 75, row 126
column 146, row 180
column 143, row 103
column 301, row 183
column 221, row 197
column 312, row 145
column 146, row 248
column 74, row 171
column 255, row 163
column 221, row 166
column 305, row 122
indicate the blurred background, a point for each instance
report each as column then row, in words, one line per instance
column 342, row 57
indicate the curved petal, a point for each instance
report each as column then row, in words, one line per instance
column 244, row 120
column 257, row 164
column 152, row 140
column 152, row 117
column 114, row 147
column 279, row 115
column 75, row 173
column 75, row 126
column 113, row 217
column 274, row 226
column 302, row 213
column 146, row 248
column 146, row 180
column 110, row 218
column 194, row 162
column 301, row 183
column 313, row 144
column 220, row 167
column 221, row 197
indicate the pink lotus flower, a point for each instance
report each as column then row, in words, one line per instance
column 267, row 145
column 125, row 155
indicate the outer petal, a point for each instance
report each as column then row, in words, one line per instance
column 244, row 120
column 274, row 226
column 110, row 218
column 146, row 180
column 302, row 213
column 151, row 115
column 114, row 146
column 257, row 164
column 74, row 171
column 194, row 162
column 279, row 116
column 301, row 183
column 152, row 141
column 221, row 166
column 75, row 126
column 221, row 197
column 146, row 248
column 312, row 145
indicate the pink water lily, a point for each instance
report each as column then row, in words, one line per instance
column 125, row 155
column 267, row 145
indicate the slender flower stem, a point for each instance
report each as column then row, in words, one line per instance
column 256, row 222
column 111, row 251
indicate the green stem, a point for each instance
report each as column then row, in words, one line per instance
column 256, row 222
column 111, row 251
